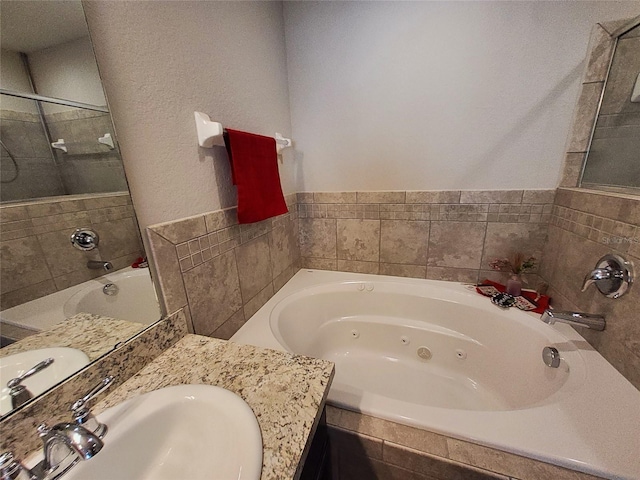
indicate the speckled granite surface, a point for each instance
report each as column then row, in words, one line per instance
column 18, row 429
column 286, row 392
column 95, row 335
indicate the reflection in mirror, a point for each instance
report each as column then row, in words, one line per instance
column 61, row 170
column 613, row 160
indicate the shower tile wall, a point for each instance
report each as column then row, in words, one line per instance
column 22, row 134
column 36, row 257
column 586, row 225
column 441, row 235
column 88, row 166
column 220, row 272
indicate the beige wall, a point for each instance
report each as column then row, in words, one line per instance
column 160, row 62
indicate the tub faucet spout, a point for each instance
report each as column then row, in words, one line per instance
column 577, row 319
column 99, row 265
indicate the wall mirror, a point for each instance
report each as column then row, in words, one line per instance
column 613, row 158
column 61, row 170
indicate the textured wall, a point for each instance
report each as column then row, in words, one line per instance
column 36, row 256
column 160, row 62
column 436, row 95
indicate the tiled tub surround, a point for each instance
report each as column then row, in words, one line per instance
column 220, row 272
column 286, row 392
column 36, row 256
column 18, row 430
column 586, row 225
column 368, row 447
column 439, row 235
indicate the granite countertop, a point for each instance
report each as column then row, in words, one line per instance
column 286, row 392
column 95, row 335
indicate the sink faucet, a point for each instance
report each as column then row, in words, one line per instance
column 99, row 265
column 64, row 445
column 587, row 320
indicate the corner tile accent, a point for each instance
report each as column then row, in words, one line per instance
column 222, row 271
column 19, row 429
column 37, row 258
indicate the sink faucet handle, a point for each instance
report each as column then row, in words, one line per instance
column 82, row 414
column 12, row 469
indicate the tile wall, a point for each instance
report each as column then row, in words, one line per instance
column 36, row 256
column 441, row 235
column 220, row 272
column 586, row 225
column 369, row 447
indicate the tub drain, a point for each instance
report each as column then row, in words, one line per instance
column 424, row 353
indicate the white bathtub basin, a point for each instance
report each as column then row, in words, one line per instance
column 66, row 361
column 133, row 297
column 481, row 378
column 136, row 301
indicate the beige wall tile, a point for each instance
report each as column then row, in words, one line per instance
column 358, row 240
column 421, row 440
column 26, row 294
column 213, row 290
column 452, row 274
column 119, row 238
column 319, row 263
column 181, row 230
column 600, row 48
column 254, row 266
column 230, row 327
column 351, row 444
column 505, row 239
column 169, row 278
column 13, row 213
column 456, row 244
column 572, row 169
column 360, row 468
column 584, row 117
column 538, row 196
column 441, row 196
column 318, row 237
column 381, row 197
column 437, row 467
column 358, row 267
column 22, row 264
column 505, row 463
column 397, row 270
column 254, row 304
column 220, row 219
column 283, row 246
column 491, row 196
column 404, row 242
column 305, row 197
column 334, row 197
column 280, row 280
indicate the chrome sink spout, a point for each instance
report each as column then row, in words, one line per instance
column 577, row 319
column 64, row 445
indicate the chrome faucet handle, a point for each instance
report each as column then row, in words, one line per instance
column 64, row 445
column 613, row 276
column 82, row 414
column 12, row 469
column 19, row 393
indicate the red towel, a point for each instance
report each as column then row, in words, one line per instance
column 254, row 166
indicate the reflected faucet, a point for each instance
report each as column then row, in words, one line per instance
column 64, row 445
column 577, row 319
column 99, row 265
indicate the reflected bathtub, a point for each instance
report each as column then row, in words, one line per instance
column 438, row 356
column 134, row 300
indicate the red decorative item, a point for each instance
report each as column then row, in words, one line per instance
column 254, row 166
column 542, row 302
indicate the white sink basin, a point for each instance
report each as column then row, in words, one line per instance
column 181, row 432
column 66, row 361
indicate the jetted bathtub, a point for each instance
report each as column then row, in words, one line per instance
column 438, row 356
